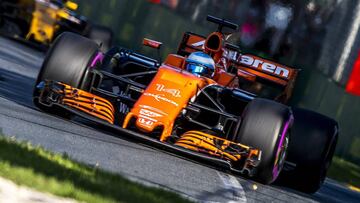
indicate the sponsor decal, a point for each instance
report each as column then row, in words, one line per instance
column 146, row 122
column 265, row 66
column 257, row 63
column 153, row 109
column 159, row 97
column 147, row 118
column 123, row 108
column 173, row 92
column 150, row 114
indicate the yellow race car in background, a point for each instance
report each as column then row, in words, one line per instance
column 41, row 21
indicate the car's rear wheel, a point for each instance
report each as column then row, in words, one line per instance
column 312, row 146
column 67, row 61
column 265, row 125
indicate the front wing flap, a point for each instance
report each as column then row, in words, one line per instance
column 60, row 93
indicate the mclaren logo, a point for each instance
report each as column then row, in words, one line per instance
column 263, row 65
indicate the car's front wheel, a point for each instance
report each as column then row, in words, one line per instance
column 67, row 61
column 265, row 125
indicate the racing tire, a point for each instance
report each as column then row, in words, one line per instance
column 312, row 146
column 102, row 36
column 67, row 61
column 265, row 126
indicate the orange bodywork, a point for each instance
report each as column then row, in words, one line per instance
column 175, row 61
column 164, row 99
column 226, row 79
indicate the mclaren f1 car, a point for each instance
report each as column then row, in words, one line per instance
column 197, row 103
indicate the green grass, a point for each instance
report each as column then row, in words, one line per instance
column 57, row 174
column 345, row 172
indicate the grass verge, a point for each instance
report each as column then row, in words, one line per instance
column 57, row 174
column 345, row 172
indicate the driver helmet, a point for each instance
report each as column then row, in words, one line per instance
column 200, row 64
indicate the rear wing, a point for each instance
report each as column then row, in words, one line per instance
column 258, row 66
column 247, row 65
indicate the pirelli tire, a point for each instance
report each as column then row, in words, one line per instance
column 67, row 61
column 312, row 146
column 265, row 125
column 102, row 36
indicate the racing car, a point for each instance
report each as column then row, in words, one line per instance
column 197, row 103
column 41, row 21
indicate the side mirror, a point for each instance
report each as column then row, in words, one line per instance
column 71, row 5
column 155, row 45
column 152, row 43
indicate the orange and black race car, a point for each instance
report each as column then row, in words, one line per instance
column 209, row 102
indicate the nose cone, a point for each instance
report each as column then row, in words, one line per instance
column 164, row 99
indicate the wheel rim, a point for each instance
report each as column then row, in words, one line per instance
column 280, row 158
column 281, row 151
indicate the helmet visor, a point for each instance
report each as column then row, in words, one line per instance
column 199, row 70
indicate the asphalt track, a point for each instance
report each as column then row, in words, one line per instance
column 19, row 65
